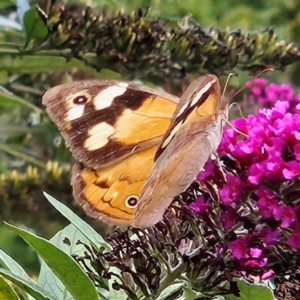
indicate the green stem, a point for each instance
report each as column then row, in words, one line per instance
column 170, row 278
column 35, row 52
column 13, row 97
column 28, row 89
column 23, row 156
column 8, row 44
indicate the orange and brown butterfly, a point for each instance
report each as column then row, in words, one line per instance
column 136, row 148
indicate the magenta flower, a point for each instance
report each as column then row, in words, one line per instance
column 255, row 258
column 231, row 191
column 229, row 218
column 297, row 151
column 255, row 194
column 268, row 93
column 208, row 170
column 266, row 203
column 294, row 239
column 271, row 236
column 239, row 248
column 199, row 206
column 286, row 214
column 291, row 170
column 267, row 275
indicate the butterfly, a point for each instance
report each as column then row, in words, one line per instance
column 136, row 148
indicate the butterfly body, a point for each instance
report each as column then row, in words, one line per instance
column 136, row 148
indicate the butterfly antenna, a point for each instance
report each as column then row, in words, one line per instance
column 235, row 103
column 259, row 74
column 229, row 123
column 235, row 129
column 238, row 107
column 226, row 84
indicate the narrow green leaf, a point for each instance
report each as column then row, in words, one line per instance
column 8, row 263
column 6, row 3
column 29, row 287
column 11, row 101
column 170, row 290
column 38, row 62
column 62, row 265
column 35, row 27
column 248, row 291
column 105, row 294
column 6, row 291
column 191, row 294
column 116, row 294
column 65, row 240
column 94, row 238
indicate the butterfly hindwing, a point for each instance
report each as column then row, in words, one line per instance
column 112, row 193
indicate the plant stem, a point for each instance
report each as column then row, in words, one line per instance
column 170, row 278
column 24, row 156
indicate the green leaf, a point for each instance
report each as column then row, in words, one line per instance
column 170, row 290
column 62, row 265
column 191, row 294
column 65, row 240
column 92, row 236
column 6, row 3
column 34, row 26
column 12, row 101
column 6, row 291
column 30, row 287
column 8, row 263
column 248, row 291
column 38, row 62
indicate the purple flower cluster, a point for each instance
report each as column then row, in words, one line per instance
column 260, row 160
column 267, row 94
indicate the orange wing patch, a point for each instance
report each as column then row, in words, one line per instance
column 112, row 192
column 150, row 121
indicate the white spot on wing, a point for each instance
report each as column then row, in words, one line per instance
column 105, row 98
column 75, row 112
column 123, row 84
column 98, row 136
column 182, row 109
column 201, row 92
column 171, row 135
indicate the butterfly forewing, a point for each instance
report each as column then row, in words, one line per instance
column 200, row 100
column 184, row 149
column 104, row 121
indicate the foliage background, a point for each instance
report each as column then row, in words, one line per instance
column 28, row 140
